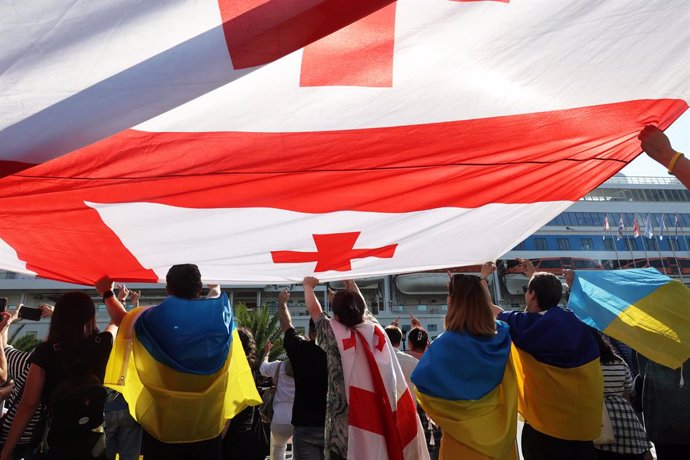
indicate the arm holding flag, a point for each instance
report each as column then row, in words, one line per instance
column 116, row 310
column 283, row 312
column 487, row 269
column 313, row 305
column 658, row 147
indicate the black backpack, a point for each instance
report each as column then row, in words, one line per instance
column 76, row 404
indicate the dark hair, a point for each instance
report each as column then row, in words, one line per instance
column 249, row 346
column 74, row 317
column 548, row 289
column 311, row 332
column 349, row 307
column 469, row 307
column 418, row 339
column 184, row 281
column 606, row 353
column 394, row 334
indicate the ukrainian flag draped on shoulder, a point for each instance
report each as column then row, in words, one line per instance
column 181, row 368
column 642, row 308
column 560, row 384
column 466, row 384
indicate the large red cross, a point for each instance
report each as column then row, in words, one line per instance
column 334, row 252
column 346, row 43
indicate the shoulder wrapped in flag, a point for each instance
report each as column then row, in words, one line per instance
column 467, row 386
column 260, row 138
column 560, row 384
column 185, row 389
column 382, row 416
column 641, row 307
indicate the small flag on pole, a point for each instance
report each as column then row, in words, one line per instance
column 636, row 228
column 648, row 229
column 662, row 228
column 621, row 228
column 606, row 226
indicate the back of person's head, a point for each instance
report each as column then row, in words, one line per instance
column 469, row 307
column 606, row 353
column 312, row 330
column 248, row 345
column 394, row 334
column 418, row 339
column 348, row 307
column 184, row 281
column 74, row 317
column 548, row 289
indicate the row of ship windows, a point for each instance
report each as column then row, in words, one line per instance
column 610, row 243
column 596, row 219
column 616, row 194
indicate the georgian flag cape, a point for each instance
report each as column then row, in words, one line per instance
column 383, row 420
column 269, row 139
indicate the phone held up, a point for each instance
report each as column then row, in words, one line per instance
column 32, row 314
column 3, row 304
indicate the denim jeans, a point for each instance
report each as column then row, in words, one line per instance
column 308, row 443
column 122, row 435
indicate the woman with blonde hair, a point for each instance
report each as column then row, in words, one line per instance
column 465, row 381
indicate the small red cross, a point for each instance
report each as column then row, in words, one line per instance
column 334, row 252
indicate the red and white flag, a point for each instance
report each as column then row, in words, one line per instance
column 606, row 226
column 383, row 420
column 266, row 139
column 636, row 228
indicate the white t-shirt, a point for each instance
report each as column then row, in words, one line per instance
column 285, row 393
column 407, row 364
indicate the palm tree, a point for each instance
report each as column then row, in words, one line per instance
column 265, row 327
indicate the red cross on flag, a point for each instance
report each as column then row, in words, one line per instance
column 257, row 137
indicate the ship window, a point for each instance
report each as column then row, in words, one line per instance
column 651, row 244
column 587, row 244
column 685, row 263
column 584, row 264
column 563, row 244
column 540, row 244
column 520, row 246
column 608, row 245
column 431, row 327
column 550, row 263
column 630, row 244
column 673, row 244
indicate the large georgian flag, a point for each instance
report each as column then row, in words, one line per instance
column 269, row 139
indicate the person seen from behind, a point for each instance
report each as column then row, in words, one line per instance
column 281, row 374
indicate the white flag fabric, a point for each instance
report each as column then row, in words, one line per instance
column 269, row 139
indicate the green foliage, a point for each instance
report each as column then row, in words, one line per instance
column 27, row 342
column 15, row 333
column 264, row 325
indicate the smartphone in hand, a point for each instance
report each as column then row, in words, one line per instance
column 32, row 314
column 3, row 304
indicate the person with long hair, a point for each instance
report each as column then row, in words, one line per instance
column 465, row 380
column 630, row 439
column 370, row 412
column 74, row 346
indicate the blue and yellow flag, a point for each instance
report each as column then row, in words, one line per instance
column 181, row 368
column 466, row 384
column 642, row 308
column 560, row 385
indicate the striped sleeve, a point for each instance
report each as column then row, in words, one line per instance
column 18, row 366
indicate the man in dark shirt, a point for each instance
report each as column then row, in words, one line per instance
column 311, row 383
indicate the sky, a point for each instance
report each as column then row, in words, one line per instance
column 679, row 134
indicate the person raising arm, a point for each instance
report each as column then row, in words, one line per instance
column 658, row 147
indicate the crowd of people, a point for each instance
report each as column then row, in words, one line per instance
column 582, row 395
column 183, row 381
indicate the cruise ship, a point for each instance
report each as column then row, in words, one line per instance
column 576, row 239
